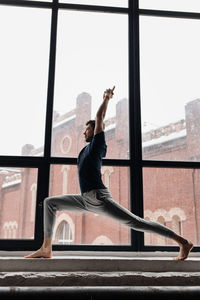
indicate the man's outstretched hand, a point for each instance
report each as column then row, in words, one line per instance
column 108, row 94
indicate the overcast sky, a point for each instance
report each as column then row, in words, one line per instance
column 92, row 54
column 170, row 65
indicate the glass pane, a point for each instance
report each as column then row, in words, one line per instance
column 118, row 3
column 75, row 227
column 177, row 5
column 18, row 189
column 170, row 96
column 24, row 56
column 171, row 197
column 92, row 55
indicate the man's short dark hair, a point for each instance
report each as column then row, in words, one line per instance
column 92, row 123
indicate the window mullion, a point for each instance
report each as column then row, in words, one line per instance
column 44, row 171
column 51, row 80
column 135, row 121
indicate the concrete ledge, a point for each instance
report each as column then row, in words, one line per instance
column 99, row 271
column 94, row 293
column 99, row 279
column 102, row 264
column 131, row 254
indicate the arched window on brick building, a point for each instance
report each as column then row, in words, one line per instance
column 102, row 240
column 64, row 234
column 10, row 230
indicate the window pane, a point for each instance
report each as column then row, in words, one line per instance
column 171, row 197
column 24, row 55
column 92, row 55
column 119, row 3
column 75, row 227
column 170, row 96
column 177, row 5
column 18, row 188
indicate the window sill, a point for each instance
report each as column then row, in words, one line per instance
column 99, row 262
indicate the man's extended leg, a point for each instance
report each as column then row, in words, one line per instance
column 51, row 206
column 114, row 210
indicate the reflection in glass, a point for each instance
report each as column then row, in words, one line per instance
column 24, row 57
column 171, row 198
column 75, row 228
column 177, row 5
column 92, row 55
column 170, row 96
column 18, row 188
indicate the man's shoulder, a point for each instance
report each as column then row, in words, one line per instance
column 98, row 144
column 99, row 138
column 99, row 135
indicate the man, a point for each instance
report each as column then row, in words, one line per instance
column 95, row 197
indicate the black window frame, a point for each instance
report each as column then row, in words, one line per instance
column 135, row 161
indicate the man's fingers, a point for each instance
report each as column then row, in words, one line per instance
column 109, row 92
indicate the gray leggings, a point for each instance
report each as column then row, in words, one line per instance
column 98, row 201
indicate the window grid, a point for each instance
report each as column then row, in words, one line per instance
column 135, row 163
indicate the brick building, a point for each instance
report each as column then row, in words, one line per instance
column 171, row 196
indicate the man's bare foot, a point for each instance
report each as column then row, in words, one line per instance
column 41, row 253
column 185, row 249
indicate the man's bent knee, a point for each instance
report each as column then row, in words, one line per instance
column 48, row 201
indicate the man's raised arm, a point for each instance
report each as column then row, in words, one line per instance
column 108, row 94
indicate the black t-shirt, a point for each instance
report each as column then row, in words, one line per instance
column 89, row 163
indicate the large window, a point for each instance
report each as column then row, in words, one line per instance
column 170, row 101
column 171, row 198
column 24, row 56
column 57, row 58
column 91, row 56
column 17, row 202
